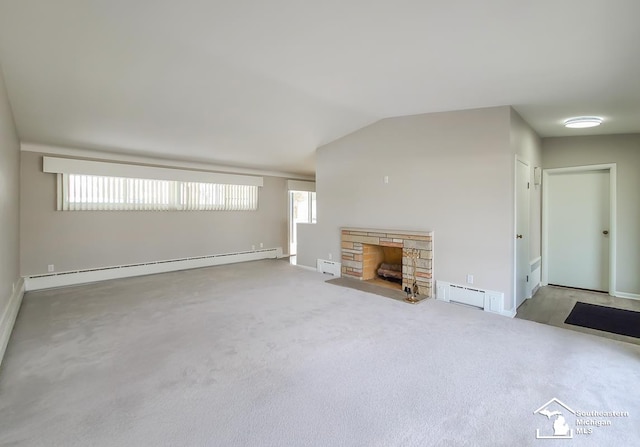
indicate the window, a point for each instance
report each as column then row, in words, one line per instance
column 93, row 192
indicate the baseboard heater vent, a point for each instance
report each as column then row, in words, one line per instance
column 330, row 267
column 466, row 295
column 534, row 277
column 488, row 300
column 61, row 279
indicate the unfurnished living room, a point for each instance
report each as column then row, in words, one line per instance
column 291, row 223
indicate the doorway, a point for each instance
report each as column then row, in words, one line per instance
column 302, row 209
column 579, row 227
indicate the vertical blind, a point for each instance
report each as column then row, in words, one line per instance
column 89, row 192
column 214, row 197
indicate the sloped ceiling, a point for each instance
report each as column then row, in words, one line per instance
column 263, row 84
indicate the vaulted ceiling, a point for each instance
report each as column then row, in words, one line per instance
column 263, row 83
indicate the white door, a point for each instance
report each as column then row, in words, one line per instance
column 522, row 231
column 578, row 229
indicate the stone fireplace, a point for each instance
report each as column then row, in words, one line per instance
column 364, row 251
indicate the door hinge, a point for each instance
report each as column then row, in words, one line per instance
column 527, row 278
column 527, row 185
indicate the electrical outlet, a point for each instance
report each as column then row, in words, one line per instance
column 386, row 179
column 469, row 279
column 50, row 268
column 330, row 256
column 253, row 247
column 261, row 245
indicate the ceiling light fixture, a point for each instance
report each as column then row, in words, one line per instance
column 581, row 122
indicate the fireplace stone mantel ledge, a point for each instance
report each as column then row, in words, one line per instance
column 387, row 230
column 381, row 231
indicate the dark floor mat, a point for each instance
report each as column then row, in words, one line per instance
column 609, row 319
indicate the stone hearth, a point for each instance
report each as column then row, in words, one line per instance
column 356, row 254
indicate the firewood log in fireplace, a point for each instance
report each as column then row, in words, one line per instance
column 390, row 271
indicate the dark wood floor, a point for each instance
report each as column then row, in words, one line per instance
column 552, row 305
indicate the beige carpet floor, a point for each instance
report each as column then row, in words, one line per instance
column 268, row 354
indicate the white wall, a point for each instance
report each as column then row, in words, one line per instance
column 624, row 150
column 9, row 213
column 448, row 172
column 526, row 143
column 73, row 240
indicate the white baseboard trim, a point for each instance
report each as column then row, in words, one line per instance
column 631, row 296
column 508, row 313
column 48, row 281
column 8, row 316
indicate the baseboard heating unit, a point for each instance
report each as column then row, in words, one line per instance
column 330, row 267
column 488, row 300
column 534, row 277
column 61, row 279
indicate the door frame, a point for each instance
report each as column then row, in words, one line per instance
column 612, row 168
column 519, row 159
column 291, row 224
